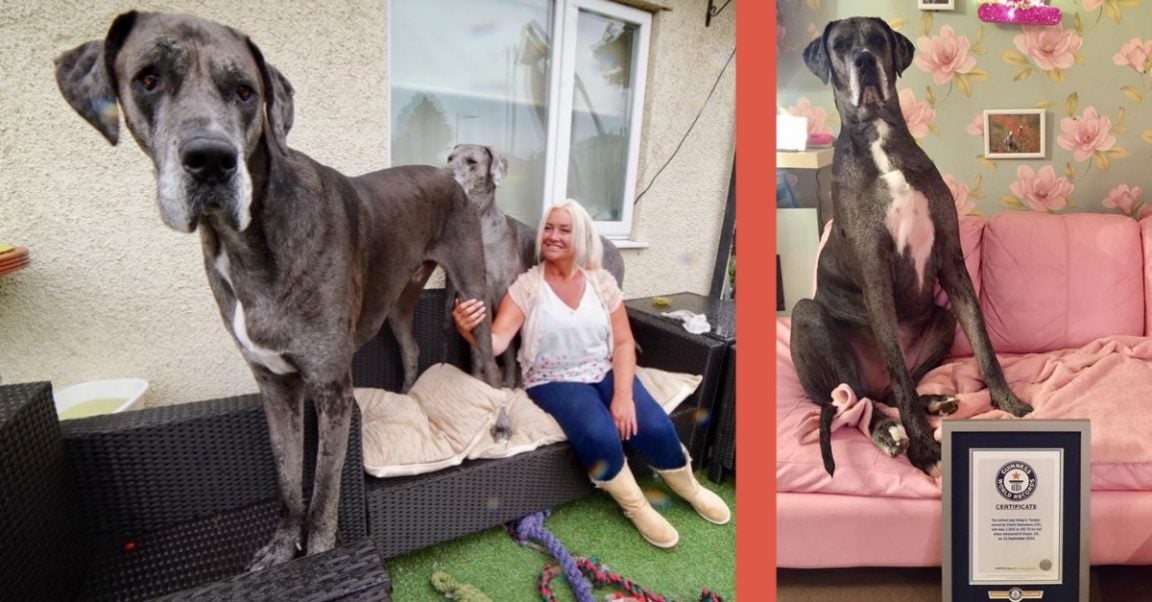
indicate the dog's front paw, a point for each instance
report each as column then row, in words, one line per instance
column 502, row 430
column 890, row 437
column 283, row 546
column 939, row 405
column 925, row 455
column 1011, row 404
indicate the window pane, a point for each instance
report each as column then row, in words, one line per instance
column 474, row 71
column 601, row 114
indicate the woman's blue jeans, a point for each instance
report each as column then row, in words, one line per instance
column 582, row 409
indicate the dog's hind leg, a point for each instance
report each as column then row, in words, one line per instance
column 283, row 407
column 334, row 404
column 925, row 352
column 824, row 360
column 402, row 328
column 511, row 370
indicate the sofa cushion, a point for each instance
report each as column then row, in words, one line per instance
column 1059, row 281
column 447, row 415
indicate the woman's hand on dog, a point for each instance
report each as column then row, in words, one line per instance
column 468, row 314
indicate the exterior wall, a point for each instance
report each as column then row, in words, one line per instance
column 1090, row 74
column 112, row 293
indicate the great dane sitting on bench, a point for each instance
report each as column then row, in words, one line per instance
column 895, row 235
column 305, row 263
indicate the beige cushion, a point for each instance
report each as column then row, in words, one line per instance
column 447, row 417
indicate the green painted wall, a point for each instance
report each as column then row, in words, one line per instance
column 1090, row 74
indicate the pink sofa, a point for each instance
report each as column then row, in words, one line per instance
column 1065, row 299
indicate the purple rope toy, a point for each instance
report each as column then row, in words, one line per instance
column 531, row 528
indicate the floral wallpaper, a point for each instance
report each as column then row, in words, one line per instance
column 1091, row 75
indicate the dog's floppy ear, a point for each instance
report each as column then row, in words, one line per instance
column 497, row 166
column 816, row 57
column 278, row 106
column 86, row 77
column 902, row 50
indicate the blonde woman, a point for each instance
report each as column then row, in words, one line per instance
column 579, row 362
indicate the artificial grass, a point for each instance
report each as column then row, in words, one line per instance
column 593, row 526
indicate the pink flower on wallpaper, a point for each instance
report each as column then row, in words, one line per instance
column 918, row 114
column 1050, row 47
column 1093, row 4
column 1134, row 54
column 1041, row 191
column 1123, row 197
column 976, row 126
column 944, row 55
column 959, row 190
column 1086, row 135
column 817, row 116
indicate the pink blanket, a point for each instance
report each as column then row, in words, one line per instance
column 1107, row 381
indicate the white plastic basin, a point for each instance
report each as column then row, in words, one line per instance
column 99, row 397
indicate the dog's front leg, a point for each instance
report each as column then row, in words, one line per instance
column 334, row 403
column 957, row 283
column 923, row 450
column 283, row 407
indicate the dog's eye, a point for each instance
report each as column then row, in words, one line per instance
column 150, row 81
column 451, row 158
column 244, row 93
column 471, row 162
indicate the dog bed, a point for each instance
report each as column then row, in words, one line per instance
column 448, row 415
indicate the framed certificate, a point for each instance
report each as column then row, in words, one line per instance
column 1015, row 518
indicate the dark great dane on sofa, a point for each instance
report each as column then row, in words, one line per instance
column 895, row 235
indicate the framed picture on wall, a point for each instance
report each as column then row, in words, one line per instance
column 1014, row 133
column 936, row 4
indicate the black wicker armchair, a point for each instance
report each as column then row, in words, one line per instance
column 174, row 500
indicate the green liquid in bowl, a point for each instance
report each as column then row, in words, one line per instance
column 93, row 407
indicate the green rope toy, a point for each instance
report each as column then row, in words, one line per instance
column 461, row 592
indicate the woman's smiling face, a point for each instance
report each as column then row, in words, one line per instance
column 557, row 242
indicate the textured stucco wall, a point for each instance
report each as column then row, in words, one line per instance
column 112, row 292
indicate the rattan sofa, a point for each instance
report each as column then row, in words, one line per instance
column 142, row 504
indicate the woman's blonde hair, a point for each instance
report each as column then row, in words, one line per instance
column 588, row 250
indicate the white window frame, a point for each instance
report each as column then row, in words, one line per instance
column 563, row 87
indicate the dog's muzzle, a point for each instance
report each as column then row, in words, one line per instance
column 206, row 176
column 870, row 84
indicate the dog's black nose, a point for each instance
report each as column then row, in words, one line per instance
column 864, row 59
column 209, row 161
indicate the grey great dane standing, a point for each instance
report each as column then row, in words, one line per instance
column 895, row 235
column 305, row 263
column 510, row 245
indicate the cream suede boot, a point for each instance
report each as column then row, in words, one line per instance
column 707, row 503
column 651, row 525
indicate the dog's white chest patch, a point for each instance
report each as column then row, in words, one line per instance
column 908, row 221
column 271, row 360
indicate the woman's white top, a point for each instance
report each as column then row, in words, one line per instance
column 560, row 343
